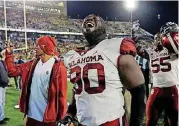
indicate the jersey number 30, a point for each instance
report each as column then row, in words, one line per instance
column 163, row 64
column 79, row 75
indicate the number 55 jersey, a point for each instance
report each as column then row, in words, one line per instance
column 164, row 68
column 97, row 85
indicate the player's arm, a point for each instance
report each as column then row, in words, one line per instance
column 72, row 107
column 132, row 78
column 13, row 69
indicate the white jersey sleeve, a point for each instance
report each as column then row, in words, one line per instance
column 69, row 55
column 116, row 47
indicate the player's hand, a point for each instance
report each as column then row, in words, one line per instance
column 71, row 124
column 66, row 121
column 9, row 48
column 60, row 124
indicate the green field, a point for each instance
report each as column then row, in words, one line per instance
column 16, row 117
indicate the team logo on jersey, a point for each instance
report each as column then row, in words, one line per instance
column 47, row 72
column 86, row 60
column 95, row 52
column 71, row 57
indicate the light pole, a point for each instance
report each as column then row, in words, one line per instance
column 130, row 4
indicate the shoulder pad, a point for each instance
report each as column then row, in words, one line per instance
column 128, row 47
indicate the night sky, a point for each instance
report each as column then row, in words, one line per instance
column 146, row 12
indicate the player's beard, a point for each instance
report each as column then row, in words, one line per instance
column 96, row 36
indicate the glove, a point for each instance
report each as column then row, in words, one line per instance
column 66, row 121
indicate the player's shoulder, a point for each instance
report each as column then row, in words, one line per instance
column 151, row 51
column 116, row 42
column 127, row 42
column 69, row 53
column 121, row 45
column 165, row 50
column 113, row 40
column 128, row 47
column 109, row 45
column 67, row 57
column 163, row 53
column 110, row 41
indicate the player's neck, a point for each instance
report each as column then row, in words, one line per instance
column 45, row 58
column 95, row 40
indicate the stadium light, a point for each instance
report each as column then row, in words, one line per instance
column 130, row 5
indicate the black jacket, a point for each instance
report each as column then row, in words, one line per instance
column 3, row 75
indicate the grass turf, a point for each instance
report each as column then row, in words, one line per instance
column 16, row 117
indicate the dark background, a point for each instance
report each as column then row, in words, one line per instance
column 146, row 12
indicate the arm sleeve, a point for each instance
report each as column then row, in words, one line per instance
column 67, row 57
column 13, row 70
column 62, row 98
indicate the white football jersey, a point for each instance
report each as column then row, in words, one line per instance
column 164, row 68
column 97, row 84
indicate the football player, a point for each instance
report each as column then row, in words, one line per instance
column 99, row 74
column 164, row 67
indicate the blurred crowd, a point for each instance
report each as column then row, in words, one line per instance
column 53, row 22
column 64, row 43
column 44, row 21
column 45, row 18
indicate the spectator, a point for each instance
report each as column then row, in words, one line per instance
column 44, row 84
column 19, row 61
column 3, row 83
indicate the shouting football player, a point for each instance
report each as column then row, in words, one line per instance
column 164, row 67
column 99, row 74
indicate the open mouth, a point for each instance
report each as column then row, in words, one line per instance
column 89, row 25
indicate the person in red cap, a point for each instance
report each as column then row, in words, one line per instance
column 43, row 97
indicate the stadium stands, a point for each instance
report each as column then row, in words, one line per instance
column 42, row 18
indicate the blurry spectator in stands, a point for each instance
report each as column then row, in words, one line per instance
column 3, row 84
column 15, row 81
column 44, row 84
column 15, row 78
column 19, row 61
